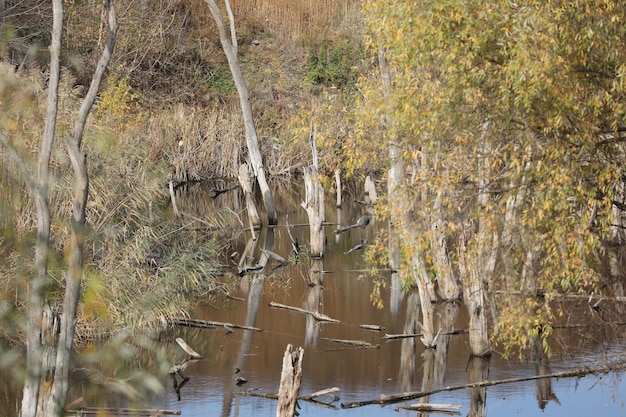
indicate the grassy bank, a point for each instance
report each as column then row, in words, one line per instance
column 168, row 111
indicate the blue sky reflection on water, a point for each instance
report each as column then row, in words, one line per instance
column 397, row 366
column 602, row 395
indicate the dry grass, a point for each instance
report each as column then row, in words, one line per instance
column 290, row 20
column 178, row 119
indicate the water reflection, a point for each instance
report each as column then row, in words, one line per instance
column 338, row 286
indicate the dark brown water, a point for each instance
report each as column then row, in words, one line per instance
column 366, row 373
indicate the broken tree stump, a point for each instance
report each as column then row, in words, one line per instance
column 290, row 379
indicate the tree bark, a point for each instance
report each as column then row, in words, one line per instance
column 314, row 201
column 53, row 396
column 290, row 378
column 245, row 175
column 49, row 336
column 37, row 291
column 229, row 45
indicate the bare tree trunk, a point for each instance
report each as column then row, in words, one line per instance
column 371, row 196
column 314, row 201
column 229, row 45
column 449, row 289
column 53, row 395
column 245, row 175
column 474, row 297
column 428, row 298
column 338, row 186
column 49, row 336
column 290, row 378
column 395, row 192
column 477, row 251
column 37, row 292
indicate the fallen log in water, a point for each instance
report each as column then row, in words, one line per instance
column 449, row 409
column 373, row 327
column 312, row 398
column 327, row 391
column 409, row 335
column 315, row 314
column 192, row 353
column 206, row 324
column 358, row 343
column 406, row 396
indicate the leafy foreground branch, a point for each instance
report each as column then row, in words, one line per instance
column 405, row 396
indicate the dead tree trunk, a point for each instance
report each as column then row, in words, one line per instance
column 338, row 186
column 449, row 289
column 428, row 298
column 290, row 378
column 474, row 295
column 229, row 45
column 245, row 179
column 371, row 196
column 314, row 201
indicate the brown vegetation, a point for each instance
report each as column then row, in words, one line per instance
column 167, row 111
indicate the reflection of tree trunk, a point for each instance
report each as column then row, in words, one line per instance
column 428, row 376
column 313, row 302
column 478, row 369
column 447, row 313
column 408, row 348
column 254, row 300
column 543, row 386
column 339, row 216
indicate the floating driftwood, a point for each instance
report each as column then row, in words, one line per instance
column 275, row 256
column 205, row 324
column 327, row 391
column 409, row 335
column 406, row 396
column 373, row 327
column 312, row 398
column 358, row 343
column 315, row 314
column 449, row 409
column 362, row 223
column 192, row 353
column 123, row 411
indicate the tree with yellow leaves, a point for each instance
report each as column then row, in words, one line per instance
column 509, row 118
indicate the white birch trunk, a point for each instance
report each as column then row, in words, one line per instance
column 229, row 45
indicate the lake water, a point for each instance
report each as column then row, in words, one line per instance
column 362, row 374
column 366, row 373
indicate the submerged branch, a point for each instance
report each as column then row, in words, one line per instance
column 315, row 314
column 206, row 324
column 406, row 396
